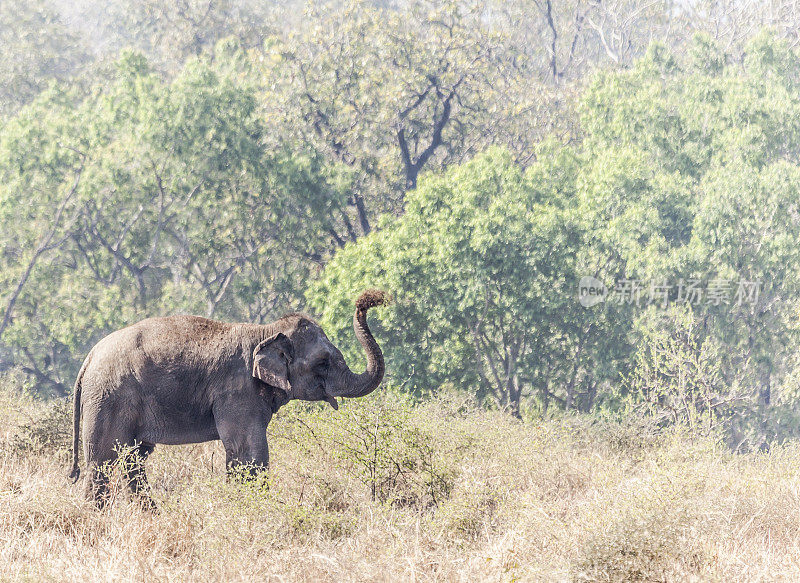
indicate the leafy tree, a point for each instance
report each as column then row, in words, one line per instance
column 697, row 179
column 38, row 48
column 170, row 32
column 392, row 93
column 149, row 198
column 483, row 268
column 667, row 185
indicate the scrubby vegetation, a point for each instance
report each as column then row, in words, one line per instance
column 386, row 489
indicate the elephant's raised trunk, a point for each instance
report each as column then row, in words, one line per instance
column 357, row 385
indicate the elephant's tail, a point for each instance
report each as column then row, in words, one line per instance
column 76, row 421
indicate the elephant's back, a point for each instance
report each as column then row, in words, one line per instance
column 158, row 348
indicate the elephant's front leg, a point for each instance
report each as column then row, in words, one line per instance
column 250, row 456
column 245, row 444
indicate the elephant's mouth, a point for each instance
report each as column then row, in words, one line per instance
column 327, row 396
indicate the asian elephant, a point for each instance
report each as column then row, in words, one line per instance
column 186, row 379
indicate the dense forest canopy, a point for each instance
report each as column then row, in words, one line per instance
column 237, row 159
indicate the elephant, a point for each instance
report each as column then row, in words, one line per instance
column 187, row 379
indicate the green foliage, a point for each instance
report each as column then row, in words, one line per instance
column 676, row 378
column 705, row 190
column 479, row 266
column 38, row 49
column 397, row 450
column 394, row 93
column 280, row 165
column 152, row 198
column 678, row 177
column 483, row 265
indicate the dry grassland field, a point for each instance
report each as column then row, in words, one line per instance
column 386, row 490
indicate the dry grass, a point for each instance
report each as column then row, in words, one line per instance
column 567, row 500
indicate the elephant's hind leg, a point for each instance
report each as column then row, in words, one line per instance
column 97, row 483
column 100, row 457
column 109, row 432
column 134, row 473
column 99, row 470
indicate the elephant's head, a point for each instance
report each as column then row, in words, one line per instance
column 299, row 359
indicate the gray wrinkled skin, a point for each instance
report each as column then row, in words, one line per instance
column 186, row 379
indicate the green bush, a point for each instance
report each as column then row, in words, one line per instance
column 403, row 454
column 676, row 379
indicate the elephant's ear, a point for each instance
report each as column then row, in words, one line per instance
column 271, row 360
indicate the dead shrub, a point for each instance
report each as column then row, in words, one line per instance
column 50, row 429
